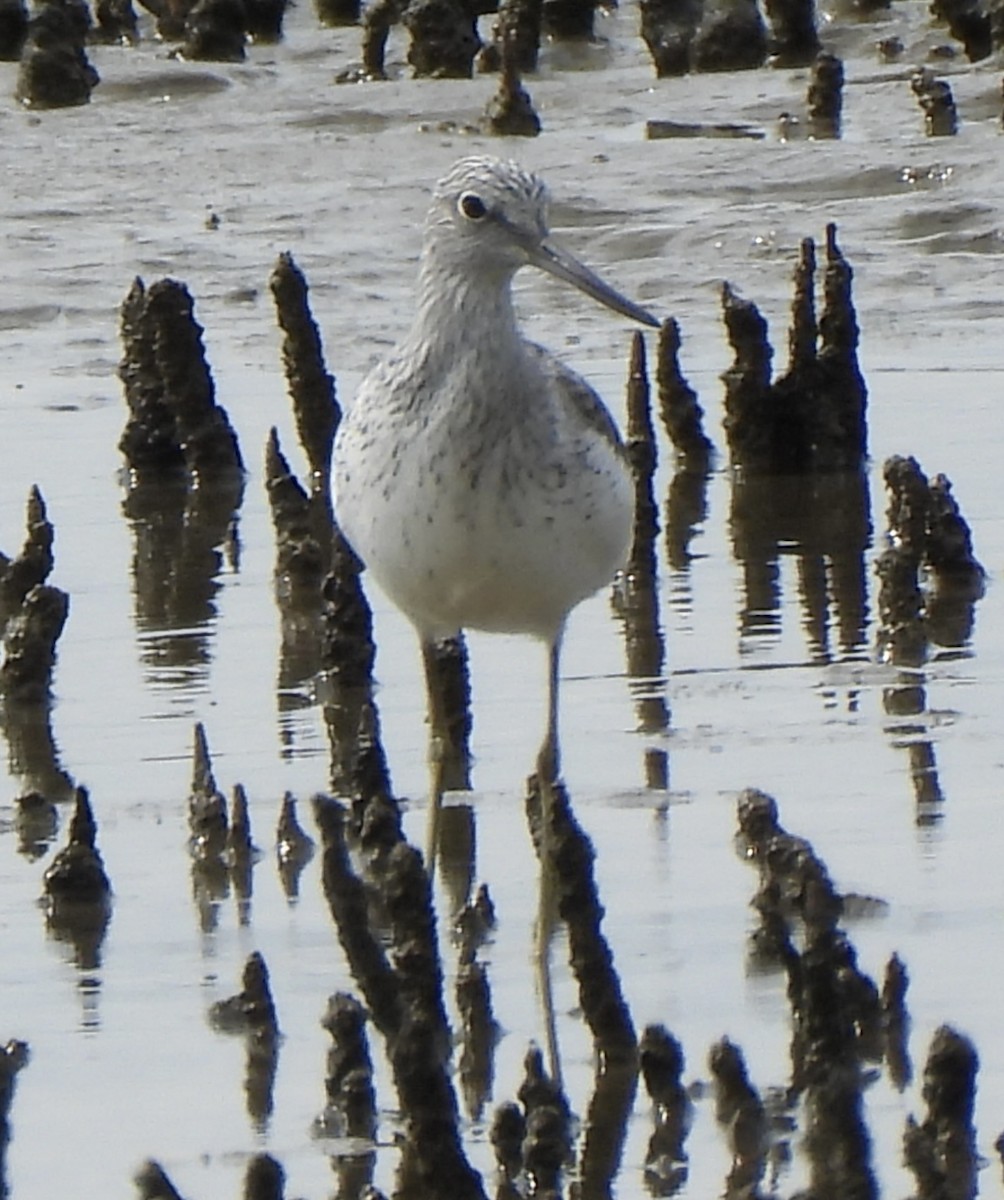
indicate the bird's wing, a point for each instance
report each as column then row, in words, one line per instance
column 578, row 394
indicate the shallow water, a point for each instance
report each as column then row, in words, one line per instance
column 124, row 1064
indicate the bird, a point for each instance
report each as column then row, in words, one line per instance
column 480, row 480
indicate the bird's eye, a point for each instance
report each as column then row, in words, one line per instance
column 472, row 206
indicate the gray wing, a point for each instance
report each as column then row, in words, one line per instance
column 578, row 394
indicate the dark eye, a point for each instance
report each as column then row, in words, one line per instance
column 472, row 206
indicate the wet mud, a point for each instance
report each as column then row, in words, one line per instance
column 379, row 891
column 806, row 432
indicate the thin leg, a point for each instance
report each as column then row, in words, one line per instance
column 546, row 924
column 548, row 773
column 549, row 758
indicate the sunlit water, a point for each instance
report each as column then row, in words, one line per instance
column 124, row 1064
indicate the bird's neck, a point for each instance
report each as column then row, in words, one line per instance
column 464, row 312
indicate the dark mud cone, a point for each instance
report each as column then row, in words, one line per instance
column 569, row 20
column 444, row 39
column 77, row 890
column 55, row 71
column 825, row 96
column 941, row 1151
column 749, row 413
column 152, row 1183
column 263, row 20
column 794, row 40
column 216, row 31
column 175, row 425
column 35, row 562
column 336, row 13
column 968, row 21
column 117, row 22
column 679, row 407
column 516, row 35
column 350, row 1109
column 510, row 112
column 13, row 29
column 668, row 28
column 311, row 386
column 934, row 95
column 732, row 36
column 207, row 806
column 29, row 646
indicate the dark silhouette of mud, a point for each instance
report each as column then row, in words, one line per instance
column 13, row 29
column 661, row 1061
column 14, row 1057
column 934, row 95
column 215, row 31
column 117, row 23
column 812, row 418
column 293, row 848
column 695, row 36
column 825, row 97
column 350, row 1107
column 251, row 1014
column 77, row 890
column 604, row 1008
column 404, row 991
column 941, row 1150
column 515, row 37
column 636, row 593
column 32, row 616
column 335, row 13
column 793, row 40
column 184, row 474
column 510, row 112
column 220, row 843
column 929, row 583
column 54, row 70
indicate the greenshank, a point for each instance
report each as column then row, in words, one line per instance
column 482, row 482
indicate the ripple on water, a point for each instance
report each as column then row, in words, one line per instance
column 28, row 316
column 174, row 84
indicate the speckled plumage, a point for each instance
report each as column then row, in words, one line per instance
column 480, row 480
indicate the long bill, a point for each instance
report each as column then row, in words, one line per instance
column 562, row 265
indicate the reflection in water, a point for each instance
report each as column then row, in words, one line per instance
column 686, row 510
column 824, row 520
column 183, row 537
column 32, row 616
column 251, row 1013
column 637, row 595
column 305, row 543
column 606, row 1127
column 13, row 1058
column 293, row 849
column 185, row 478
column 78, row 903
column 926, row 531
column 222, row 851
column 33, row 758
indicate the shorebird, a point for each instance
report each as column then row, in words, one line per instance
column 482, row 482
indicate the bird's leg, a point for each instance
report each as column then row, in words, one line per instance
column 549, row 756
column 548, row 771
